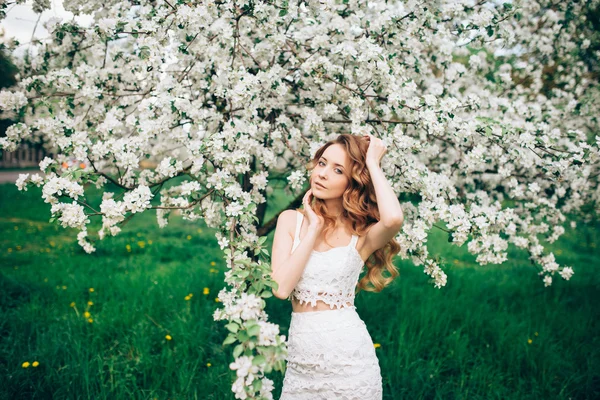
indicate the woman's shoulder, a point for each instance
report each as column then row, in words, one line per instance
column 287, row 219
column 291, row 213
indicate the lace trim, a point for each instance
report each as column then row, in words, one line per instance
column 331, row 299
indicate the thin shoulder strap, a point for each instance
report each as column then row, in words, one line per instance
column 299, row 218
column 354, row 240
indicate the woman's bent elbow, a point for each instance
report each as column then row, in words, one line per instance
column 280, row 295
column 278, row 292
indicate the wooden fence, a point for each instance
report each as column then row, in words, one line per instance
column 27, row 155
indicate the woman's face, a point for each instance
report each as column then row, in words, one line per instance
column 331, row 171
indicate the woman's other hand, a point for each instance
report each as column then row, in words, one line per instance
column 376, row 150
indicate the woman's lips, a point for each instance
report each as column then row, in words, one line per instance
column 319, row 185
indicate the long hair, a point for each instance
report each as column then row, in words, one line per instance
column 360, row 208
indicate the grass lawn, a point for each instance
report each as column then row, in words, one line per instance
column 97, row 324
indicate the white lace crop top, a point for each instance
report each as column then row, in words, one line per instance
column 330, row 276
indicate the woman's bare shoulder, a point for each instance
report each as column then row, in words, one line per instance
column 287, row 220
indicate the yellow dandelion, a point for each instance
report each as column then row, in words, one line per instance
column 87, row 314
column 536, row 334
column 90, row 303
column 199, row 230
column 217, row 300
column 529, row 341
column 128, row 248
column 47, row 250
column 64, row 287
column 208, row 364
column 456, row 261
column 141, row 243
column 168, row 337
column 91, row 289
column 52, row 243
column 72, row 304
column 188, row 237
column 376, row 345
column 139, row 234
column 213, row 271
column 149, row 241
column 90, row 320
column 206, row 290
column 10, row 250
column 35, row 364
column 213, row 263
column 25, row 364
column 187, row 298
column 18, row 247
column 191, row 295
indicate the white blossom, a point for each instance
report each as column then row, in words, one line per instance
column 138, row 199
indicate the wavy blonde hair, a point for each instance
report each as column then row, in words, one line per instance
column 360, row 207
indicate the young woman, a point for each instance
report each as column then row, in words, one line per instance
column 352, row 215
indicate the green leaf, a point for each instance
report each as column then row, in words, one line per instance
column 243, row 336
column 144, row 52
column 229, row 339
column 259, row 359
column 266, row 294
column 232, row 327
column 254, row 330
column 238, row 350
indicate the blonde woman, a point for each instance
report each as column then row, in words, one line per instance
column 352, row 216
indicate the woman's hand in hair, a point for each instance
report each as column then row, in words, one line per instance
column 315, row 221
column 375, row 151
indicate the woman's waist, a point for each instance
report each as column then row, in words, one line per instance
column 338, row 318
column 318, row 305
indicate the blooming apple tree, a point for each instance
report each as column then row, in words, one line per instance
column 488, row 110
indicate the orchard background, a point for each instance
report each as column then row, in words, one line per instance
column 176, row 132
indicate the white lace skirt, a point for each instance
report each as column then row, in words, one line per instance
column 330, row 356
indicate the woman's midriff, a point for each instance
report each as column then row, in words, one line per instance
column 307, row 307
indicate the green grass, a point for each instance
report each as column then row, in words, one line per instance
column 468, row 340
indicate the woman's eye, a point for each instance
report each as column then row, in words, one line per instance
column 337, row 169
